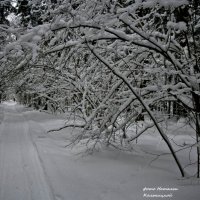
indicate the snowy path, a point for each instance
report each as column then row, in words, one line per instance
column 36, row 166
column 22, row 176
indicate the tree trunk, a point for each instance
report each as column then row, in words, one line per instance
column 196, row 100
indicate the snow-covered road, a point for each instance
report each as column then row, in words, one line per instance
column 35, row 165
column 22, row 176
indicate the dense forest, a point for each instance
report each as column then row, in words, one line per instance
column 111, row 64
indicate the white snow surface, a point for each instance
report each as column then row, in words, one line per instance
column 36, row 165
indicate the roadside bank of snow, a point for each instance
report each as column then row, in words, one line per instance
column 111, row 174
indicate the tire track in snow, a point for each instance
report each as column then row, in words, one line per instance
column 22, row 174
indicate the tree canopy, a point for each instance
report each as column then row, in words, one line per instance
column 108, row 62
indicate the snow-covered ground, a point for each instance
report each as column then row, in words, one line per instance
column 36, row 165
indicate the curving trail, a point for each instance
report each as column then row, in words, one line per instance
column 22, row 176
